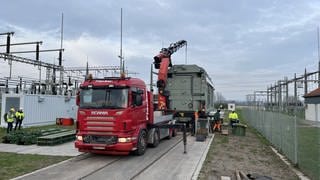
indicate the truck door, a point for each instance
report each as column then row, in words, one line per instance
column 138, row 106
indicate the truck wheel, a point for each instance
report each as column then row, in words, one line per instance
column 156, row 139
column 142, row 143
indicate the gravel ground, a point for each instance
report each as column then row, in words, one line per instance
column 250, row 154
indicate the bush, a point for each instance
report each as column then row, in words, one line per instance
column 21, row 137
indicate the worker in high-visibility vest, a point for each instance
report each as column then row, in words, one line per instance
column 193, row 122
column 233, row 118
column 19, row 117
column 217, row 121
column 10, row 119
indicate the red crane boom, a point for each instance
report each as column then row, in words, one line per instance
column 162, row 62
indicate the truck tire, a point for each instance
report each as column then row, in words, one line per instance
column 156, row 139
column 142, row 143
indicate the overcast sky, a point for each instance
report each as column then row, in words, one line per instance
column 245, row 45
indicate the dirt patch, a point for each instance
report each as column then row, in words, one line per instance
column 250, row 154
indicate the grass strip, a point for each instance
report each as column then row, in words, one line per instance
column 13, row 165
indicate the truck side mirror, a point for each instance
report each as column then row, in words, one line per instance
column 78, row 98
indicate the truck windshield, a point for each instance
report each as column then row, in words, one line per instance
column 109, row 98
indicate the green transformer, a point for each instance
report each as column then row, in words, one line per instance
column 191, row 89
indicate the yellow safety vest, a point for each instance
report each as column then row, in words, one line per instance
column 10, row 117
column 19, row 115
column 233, row 116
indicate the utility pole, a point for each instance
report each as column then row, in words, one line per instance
column 9, row 34
column 287, row 89
column 318, row 58
column 60, row 59
column 271, row 96
column 295, row 89
column 276, row 94
column 268, row 98
column 305, row 81
column 121, row 56
column 279, row 94
column 319, row 74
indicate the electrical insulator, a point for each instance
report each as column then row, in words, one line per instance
column 69, row 83
column 60, row 58
column 37, row 52
column 8, row 44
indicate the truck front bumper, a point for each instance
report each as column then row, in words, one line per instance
column 115, row 149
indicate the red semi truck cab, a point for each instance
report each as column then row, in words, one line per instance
column 115, row 116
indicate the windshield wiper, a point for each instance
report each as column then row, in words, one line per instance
column 87, row 107
column 112, row 107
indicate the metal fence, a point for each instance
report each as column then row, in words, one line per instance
column 293, row 136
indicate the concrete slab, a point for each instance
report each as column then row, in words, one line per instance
column 173, row 165
column 66, row 149
column 176, row 165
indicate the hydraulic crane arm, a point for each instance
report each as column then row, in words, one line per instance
column 162, row 62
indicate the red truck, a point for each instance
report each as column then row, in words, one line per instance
column 116, row 115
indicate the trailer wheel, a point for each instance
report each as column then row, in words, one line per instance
column 142, row 143
column 156, row 139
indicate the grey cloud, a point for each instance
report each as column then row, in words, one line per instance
column 247, row 44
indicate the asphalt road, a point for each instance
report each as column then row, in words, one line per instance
column 167, row 161
column 92, row 166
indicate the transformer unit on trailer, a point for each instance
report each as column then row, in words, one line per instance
column 190, row 90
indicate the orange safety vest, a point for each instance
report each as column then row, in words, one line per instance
column 196, row 115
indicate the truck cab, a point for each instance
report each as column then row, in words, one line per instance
column 112, row 114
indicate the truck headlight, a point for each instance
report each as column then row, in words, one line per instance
column 79, row 138
column 119, row 113
column 126, row 140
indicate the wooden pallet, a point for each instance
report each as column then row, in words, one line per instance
column 224, row 132
column 57, row 138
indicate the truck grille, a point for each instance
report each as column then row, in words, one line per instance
column 92, row 139
column 99, row 125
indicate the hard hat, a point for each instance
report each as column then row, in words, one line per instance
column 21, row 109
column 12, row 109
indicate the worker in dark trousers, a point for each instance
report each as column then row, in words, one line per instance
column 217, row 121
column 10, row 119
column 193, row 122
column 19, row 118
column 233, row 118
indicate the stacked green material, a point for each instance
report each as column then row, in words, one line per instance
column 41, row 137
column 57, row 138
column 21, row 137
column 52, row 131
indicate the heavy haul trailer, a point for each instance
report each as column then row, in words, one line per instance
column 190, row 89
column 116, row 116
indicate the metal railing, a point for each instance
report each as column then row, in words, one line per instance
column 298, row 139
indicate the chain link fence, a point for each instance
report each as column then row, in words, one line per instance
column 292, row 135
